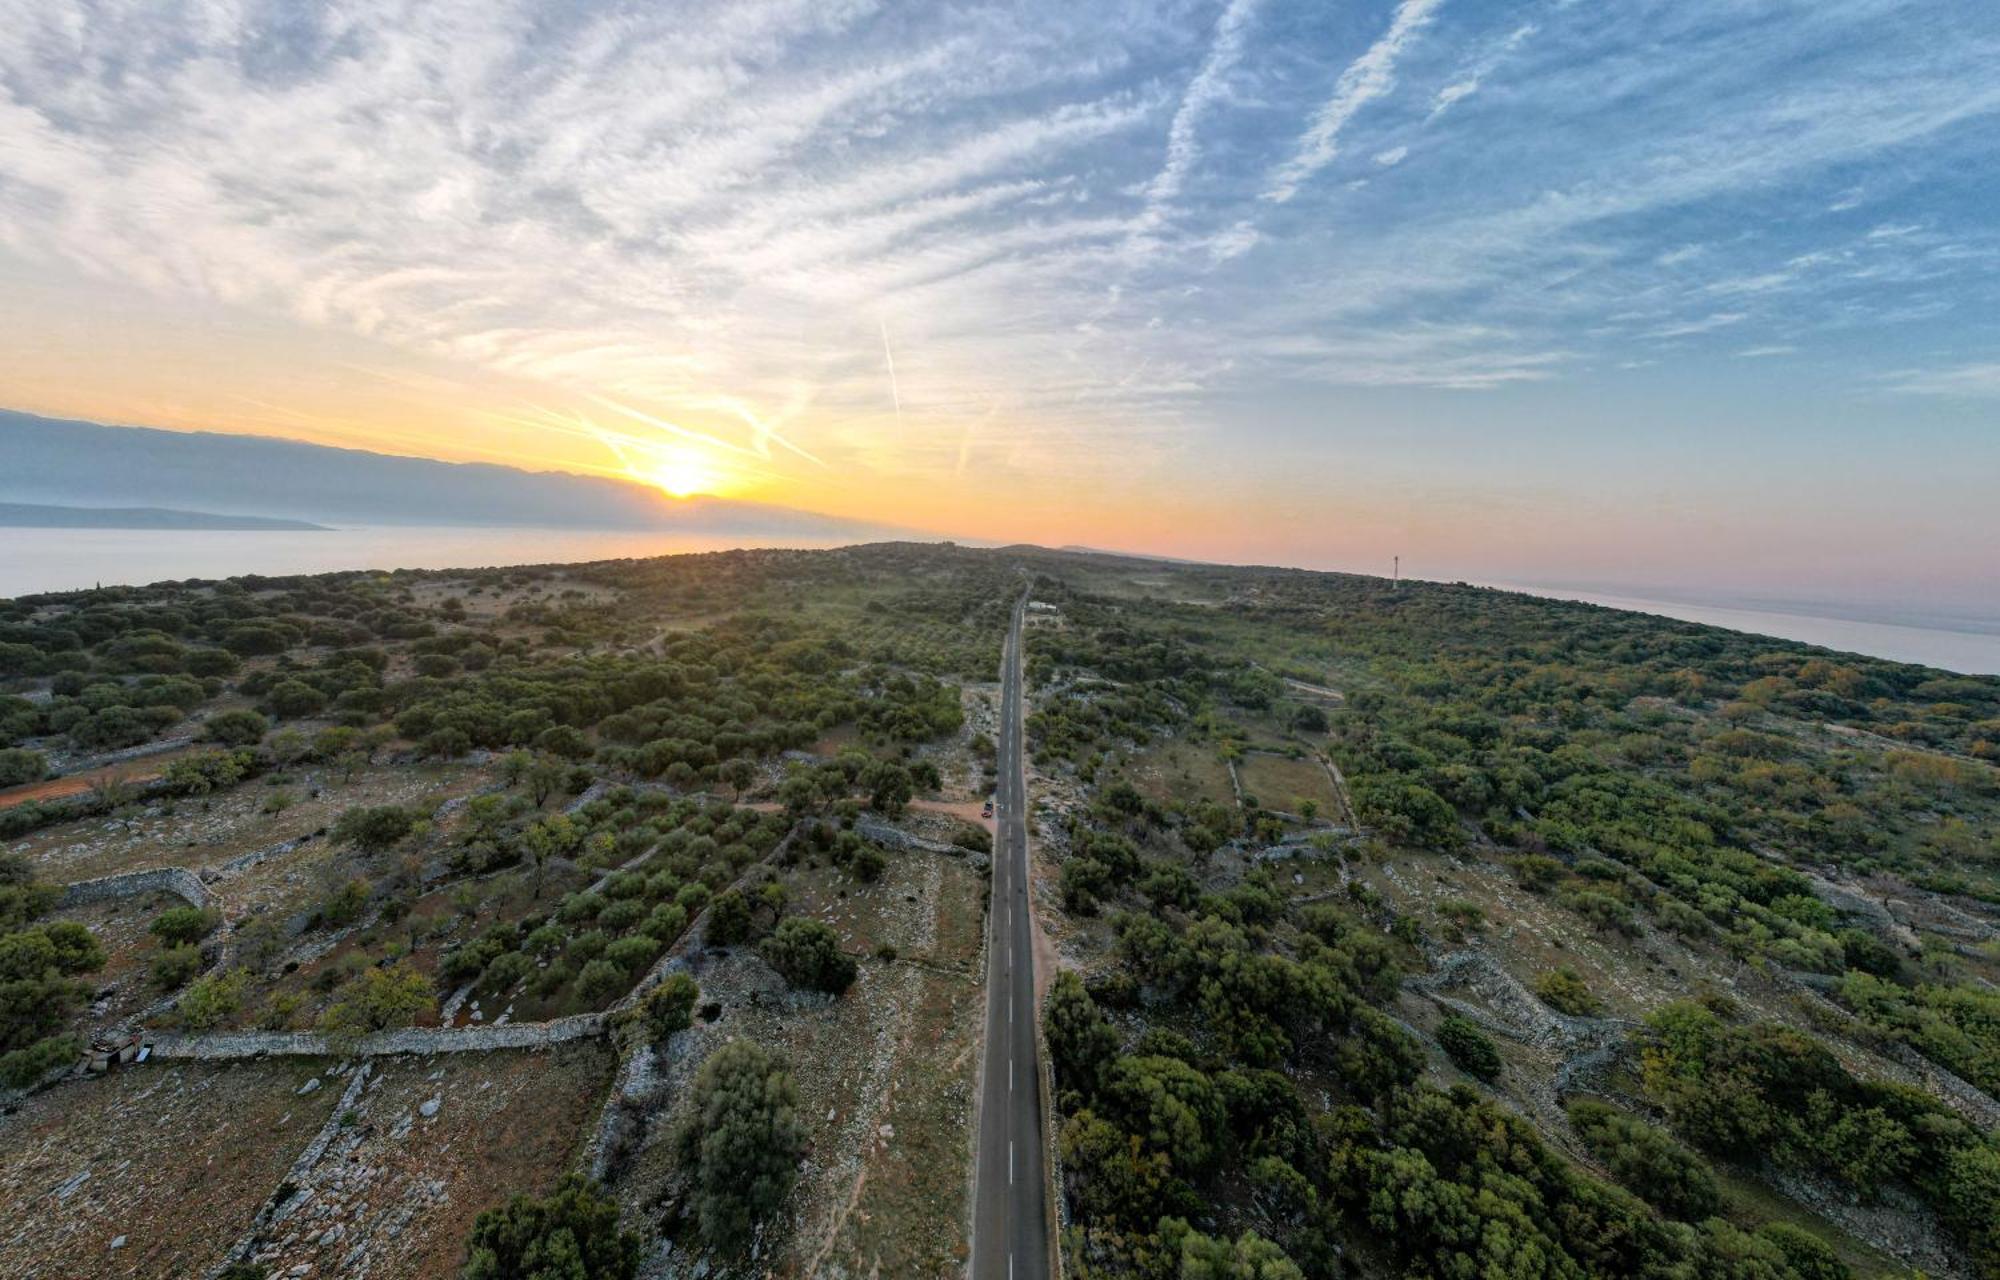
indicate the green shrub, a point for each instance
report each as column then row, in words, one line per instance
column 600, row 979
column 174, row 966
column 807, row 953
column 1662, row 1171
column 378, row 1000
column 669, row 1007
column 23, row 1067
column 632, row 954
column 1464, row 1043
column 1563, row 990
column 19, row 766
column 239, row 728
column 621, row 915
column 374, row 829
column 179, row 926
column 740, row 1141
column 571, row 1235
column 212, row 999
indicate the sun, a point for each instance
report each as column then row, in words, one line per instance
column 683, row 473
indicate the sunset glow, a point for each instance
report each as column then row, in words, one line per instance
column 1377, row 267
column 682, row 473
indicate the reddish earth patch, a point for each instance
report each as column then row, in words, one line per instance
column 70, row 784
column 967, row 810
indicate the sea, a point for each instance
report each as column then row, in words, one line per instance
column 38, row 560
column 1973, row 648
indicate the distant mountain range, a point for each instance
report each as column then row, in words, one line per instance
column 53, row 462
column 30, row 515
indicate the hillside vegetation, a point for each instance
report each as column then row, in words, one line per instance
column 1420, row 930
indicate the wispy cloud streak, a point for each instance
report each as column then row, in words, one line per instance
column 1367, row 78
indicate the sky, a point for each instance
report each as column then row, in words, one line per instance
column 1675, row 294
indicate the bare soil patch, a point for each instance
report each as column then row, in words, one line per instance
column 396, row 1192
column 174, row 1158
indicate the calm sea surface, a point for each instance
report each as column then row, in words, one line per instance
column 1974, row 652
column 34, row 560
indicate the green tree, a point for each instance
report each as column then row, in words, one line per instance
column 600, row 979
column 1113, row 1177
column 741, row 1141
column 571, row 1235
column 807, row 953
column 292, row 699
column 1248, row 1257
column 1466, row 1045
column 373, row 829
column 19, row 765
column 376, row 1001
column 669, row 1007
column 739, row 773
column 547, row 839
column 544, row 776
column 179, row 926
column 728, row 919
column 239, row 728
column 212, row 998
column 1662, row 1171
column 1174, row 1107
column 1081, row 1043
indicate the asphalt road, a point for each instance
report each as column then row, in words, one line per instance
column 1011, row 1234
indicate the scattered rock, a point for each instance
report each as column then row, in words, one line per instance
column 430, row 1107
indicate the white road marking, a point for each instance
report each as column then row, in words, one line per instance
column 1010, row 1075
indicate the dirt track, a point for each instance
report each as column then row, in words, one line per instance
column 70, row 784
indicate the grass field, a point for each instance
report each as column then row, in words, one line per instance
column 1279, row 782
column 1181, row 770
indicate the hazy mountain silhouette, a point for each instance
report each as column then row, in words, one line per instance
column 60, row 462
column 32, row 515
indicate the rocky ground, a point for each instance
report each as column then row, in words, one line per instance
column 152, row 1170
column 419, row 1148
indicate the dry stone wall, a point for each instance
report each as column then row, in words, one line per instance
column 132, row 884
column 252, row 1044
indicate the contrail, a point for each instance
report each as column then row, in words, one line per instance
column 894, row 394
column 965, row 438
column 673, row 428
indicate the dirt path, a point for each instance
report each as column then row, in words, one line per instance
column 1339, row 781
column 968, row 810
column 71, row 784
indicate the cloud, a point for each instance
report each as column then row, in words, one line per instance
column 1367, row 78
column 1706, row 324
column 1970, row 381
column 1209, row 87
column 1468, row 81
column 1233, row 242
column 1103, row 218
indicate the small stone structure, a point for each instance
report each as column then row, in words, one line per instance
column 132, row 884
column 252, row 1044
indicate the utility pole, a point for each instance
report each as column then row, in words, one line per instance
column 1396, row 578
